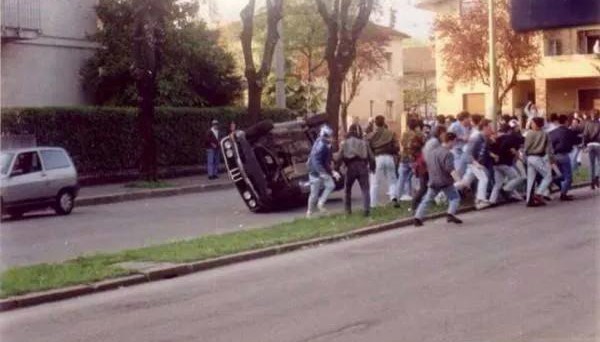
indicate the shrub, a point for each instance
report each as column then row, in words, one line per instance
column 104, row 140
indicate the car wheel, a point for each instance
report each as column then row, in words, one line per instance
column 65, row 202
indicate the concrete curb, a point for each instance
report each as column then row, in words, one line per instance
column 144, row 194
column 168, row 272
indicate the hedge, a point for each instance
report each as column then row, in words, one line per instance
column 104, row 140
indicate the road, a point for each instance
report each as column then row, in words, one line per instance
column 509, row 274
column 44, row 237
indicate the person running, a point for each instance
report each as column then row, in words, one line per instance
column 462, row 128
column 506, row 177
column 384, row 145
column 320, row 173
column 538, row 155
column 412, row 142
column 420, row 166
column 563, row 141
column 591, row 140
column 442, row 176
column 358, row 158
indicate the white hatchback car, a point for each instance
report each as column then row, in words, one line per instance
column 37, row 178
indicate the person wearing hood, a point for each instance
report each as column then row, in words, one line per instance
column 320, row 173
column 384, row 145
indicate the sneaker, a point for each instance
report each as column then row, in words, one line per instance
column 482, row 204
column 566, row 197
column 396, row 203
column 322, row 208
column 309, row 214
column 418, row 222
column 406, row 198
column 453, row 219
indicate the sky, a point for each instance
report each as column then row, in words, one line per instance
column 410, row 20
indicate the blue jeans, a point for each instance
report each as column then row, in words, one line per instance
column 563, row 161
column 316, row 183
column 213, row 156
column 451, row 194
column 404, row 184
column 461, row 161
column 535, row 165
column 594, row 151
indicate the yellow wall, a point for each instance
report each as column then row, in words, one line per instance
column 562, row 94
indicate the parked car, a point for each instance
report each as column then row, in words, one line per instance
column 37, row 178
column 267, row 162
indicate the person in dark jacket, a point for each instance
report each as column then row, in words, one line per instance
column 384, row 145
column 505, row 149
column 356, row 155
column 320, row 173
column 563, row 140
column 591, row 140
column 211, row 143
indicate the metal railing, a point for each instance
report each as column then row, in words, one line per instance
column 20, row 15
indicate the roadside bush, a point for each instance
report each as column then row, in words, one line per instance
column 104, row 140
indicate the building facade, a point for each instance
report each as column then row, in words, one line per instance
column 419, row 83
column 566, row 79
column 44, row 44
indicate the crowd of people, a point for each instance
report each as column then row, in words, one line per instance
column 452, row 157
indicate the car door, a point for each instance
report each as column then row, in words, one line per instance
column 59, row 170
column 26, row 181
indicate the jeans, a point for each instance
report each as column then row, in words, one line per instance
column 212, row 161
column 385, row 169
column 535, row 165
column 404, row 184
column 357, row 171
column 574, row 156
column 449, row 191
column 563, row 161
column 481, row 174
column 461, row 161
column 423, row 180
column 505, row 177
column 594, row 154
column 316, row 183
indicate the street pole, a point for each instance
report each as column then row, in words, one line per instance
column 280, row 69
column 492, row 60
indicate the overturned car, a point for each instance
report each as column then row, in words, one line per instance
column 267, row 162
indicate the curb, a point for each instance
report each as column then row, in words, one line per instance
column 168, row 272
column 145, row 194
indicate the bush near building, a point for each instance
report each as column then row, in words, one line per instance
column 105, row 140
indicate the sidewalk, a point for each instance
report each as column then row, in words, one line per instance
column 113, row 193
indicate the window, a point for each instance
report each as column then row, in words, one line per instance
column 389, row 109
column 28, row 162
column 5, row 160
column 55, row 159
column 468, row 5
column 587, row 40
column 554, row 47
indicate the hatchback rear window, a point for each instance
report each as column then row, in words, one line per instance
column 55, row 159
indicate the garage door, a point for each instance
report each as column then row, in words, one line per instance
column 474, row 103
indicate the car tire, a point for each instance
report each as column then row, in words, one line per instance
column 65, row 202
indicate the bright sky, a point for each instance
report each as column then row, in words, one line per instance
column 413, row 21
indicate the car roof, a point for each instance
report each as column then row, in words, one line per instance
column 34, row 148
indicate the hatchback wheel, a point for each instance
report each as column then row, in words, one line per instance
column 65, row 202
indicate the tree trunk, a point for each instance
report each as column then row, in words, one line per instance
column 254, row 99
column 334, row 99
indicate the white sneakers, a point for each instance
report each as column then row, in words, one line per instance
column 482, row 204
column 321, row 208
column 406, row 198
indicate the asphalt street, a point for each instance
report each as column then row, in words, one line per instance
column 508, row 274
column 45, row 237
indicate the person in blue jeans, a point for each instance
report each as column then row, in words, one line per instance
column 563, row 140
column 591, row 139
column 213, row 153
column 320, row 173
column 442, row 175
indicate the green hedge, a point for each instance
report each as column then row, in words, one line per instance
column 105, row 140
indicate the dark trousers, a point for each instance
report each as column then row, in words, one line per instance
column 423, row 180
column 357, row 171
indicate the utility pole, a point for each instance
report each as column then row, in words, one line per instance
column 280, row 69
column 493, row 111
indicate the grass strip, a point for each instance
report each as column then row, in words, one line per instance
column 88, row 269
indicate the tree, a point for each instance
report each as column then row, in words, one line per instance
column 465, row 48
column 256, row 79
column 149, row 28
column 420, row 93
column 345, row 20
column 370, row 59
column 195, row 70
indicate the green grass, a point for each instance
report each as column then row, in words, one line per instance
column 581, row 175
column 148, row 185
column 88, row 269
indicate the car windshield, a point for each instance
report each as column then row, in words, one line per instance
column 5, row 160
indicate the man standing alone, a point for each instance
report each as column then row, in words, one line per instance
column 442, row 175
column 212, row 150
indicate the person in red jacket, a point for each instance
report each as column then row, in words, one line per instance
column 211, row 143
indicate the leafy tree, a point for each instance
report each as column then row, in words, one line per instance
column 465, row 47
column 345, row 21
column 195, row 70
column 419, row 93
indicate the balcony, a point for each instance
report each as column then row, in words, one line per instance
column 21, row 19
